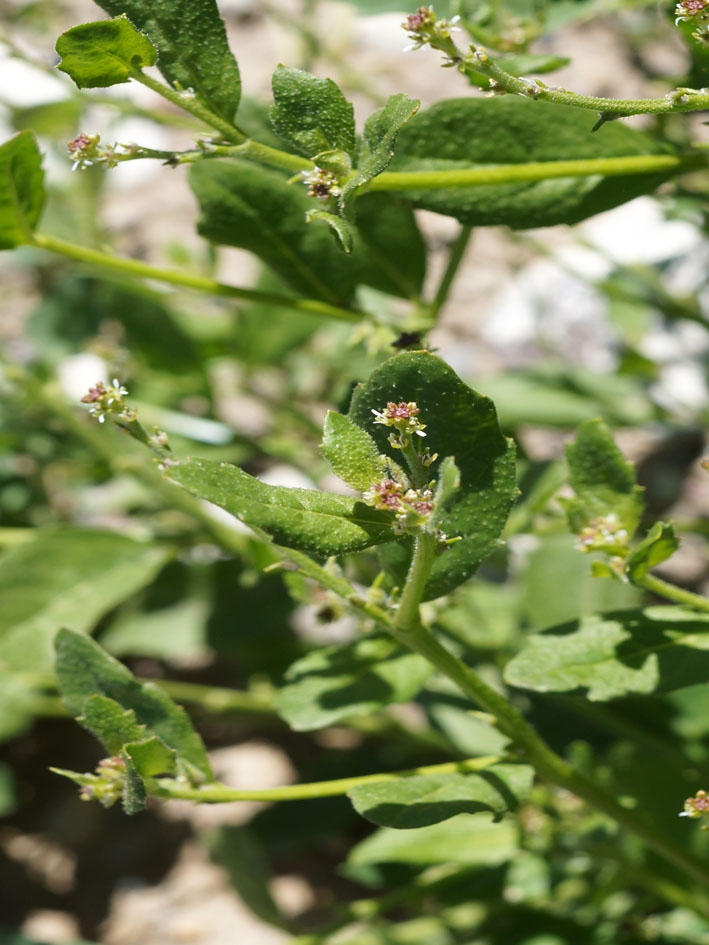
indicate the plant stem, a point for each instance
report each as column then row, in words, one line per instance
column 677, row 595
column 187, row 280
column 424, row 555
column 455, row 257
column 536, row 170
column 545, row 761
column 189, row 103
column 220, row 793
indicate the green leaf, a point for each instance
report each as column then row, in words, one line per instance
column 8, row 795
column 427, row 799
column 473, row 840
column 151, row 757
column 311, row 113
column 244, row 861
column 340, row 228
column 659, row 544
column 254, row 208
column 66, row 577
column 643, row 651
column 104, row 53
column 351, row 452
column 134, row 794
column 193, row 52
column 110, row 723
column 320, row 523
column 83, row 670
column 446, row 488
column 21, row 189
column 459, row 423
column 603, row 480
column 335, row 682
column 465, row 132
column 377, row 147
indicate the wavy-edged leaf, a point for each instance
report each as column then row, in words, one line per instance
column 311, row 113
column 85, row 670
column 107, row 52
column 193, row 52
column 22, row 192
column 335, row 682
column 66, row 577
column 466, row 132
column 459, row 423
column 642, row 651
column 422, row 800
column 319, row 523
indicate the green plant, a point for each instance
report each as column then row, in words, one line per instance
column 562, row 836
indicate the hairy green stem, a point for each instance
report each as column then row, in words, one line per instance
column 423, row 557
column 189, row 103
column 187, row 280
column 220, row 793
column 678, row 595
column 545, row 761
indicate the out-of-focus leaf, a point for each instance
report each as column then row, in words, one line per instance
column 659, row 544
column 335, row 682
column 21, row 189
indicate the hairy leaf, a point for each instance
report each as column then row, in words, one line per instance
column 320, row 523
column 465, row 132
column 459, row 423
column 651, row 650
column 104, row 53
column 311, row 113
column 84, row 670
column 352, row 453
column 338, row 681
column 21, row 189
column 193, row 52
column 427, row 799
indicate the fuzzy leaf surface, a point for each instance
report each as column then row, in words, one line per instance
column 70, row 578
column 467, row 132
column 254, row 208
column 311, row 113
column 428, row 799
column 108, row 52
column 335, row 682
column 351, row 452
column 460, row 423
column 659, row 544
column 605, row 656
column 319, row 523
column 84, row 670
column 22, row 192
column 193, row 52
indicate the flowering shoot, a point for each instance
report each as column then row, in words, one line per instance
column 402, row 417
column 106, row 401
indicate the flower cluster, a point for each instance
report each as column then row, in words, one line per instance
column 106, row 786
column 86, row 150
column 108, row 400
column 696, row 12
column 412, row 507
column 696, row 806
column 322, row 183
column 604, row 534
column 403, row 417
column 424, row 28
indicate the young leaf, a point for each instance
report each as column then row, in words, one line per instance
column 653, row 650
column 256, row 209
column 341, row 229
column 193, row 52
column 338, row 681
column 352, row 453
column 459, row 423
column 21, row 189
column 84, row 670
column 473, row 840
column 111, row 723
column 311, row 113
column 320, row 523
column 659, row 544
column 134, row 793
column 104, row 53
column 603, row 480
column 377, row 149
column 428, row 799
column 68, row 577
column 458, row 133
column 151, row 757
